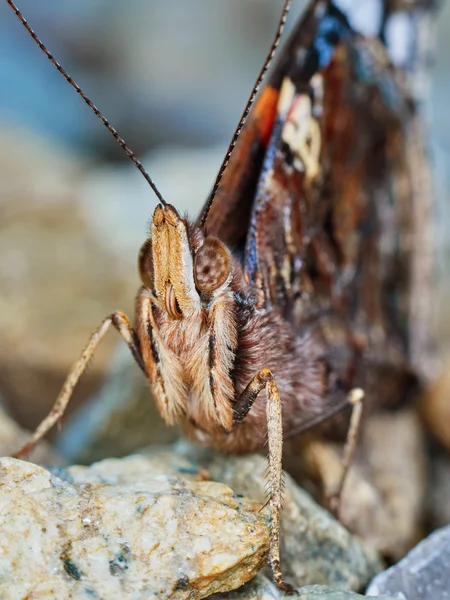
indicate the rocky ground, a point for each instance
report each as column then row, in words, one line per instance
column 175, row 521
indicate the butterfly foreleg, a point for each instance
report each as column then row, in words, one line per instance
column 264, row 379
column 123, row 325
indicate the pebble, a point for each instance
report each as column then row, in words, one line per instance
column 424, row 574
column 127, row 529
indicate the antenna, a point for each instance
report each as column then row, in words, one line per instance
column 250, row 101
column 91, row 105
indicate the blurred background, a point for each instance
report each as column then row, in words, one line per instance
column 173, row 78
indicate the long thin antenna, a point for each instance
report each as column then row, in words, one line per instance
column 91, row 105
column 237, row 133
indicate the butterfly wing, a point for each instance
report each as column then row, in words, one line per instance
column 331, row 223
column 229, row 215
column 320, row 201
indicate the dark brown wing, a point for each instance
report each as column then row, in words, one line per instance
column 331, row 224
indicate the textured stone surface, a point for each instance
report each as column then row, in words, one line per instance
column 129, row 529
column 315, row 548
column 424, row 574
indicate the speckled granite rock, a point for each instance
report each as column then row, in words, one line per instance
column 261, row 588
column 315, row 548
column 424, row 574
column 124, row 529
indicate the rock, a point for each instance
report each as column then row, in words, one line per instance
column 261, row 588
column 435, row 407
column 315, row 548
column 124, row 529
column 438, row 497
column 423, row 574
column 12, row 437
column 383, row 500
column 318, row 592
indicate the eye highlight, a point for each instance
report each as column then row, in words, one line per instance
column 212, row 265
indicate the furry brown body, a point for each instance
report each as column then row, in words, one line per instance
column 190, row 351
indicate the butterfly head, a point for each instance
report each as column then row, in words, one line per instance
column 185, row 269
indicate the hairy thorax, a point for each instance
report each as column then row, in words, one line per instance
column 204, row 334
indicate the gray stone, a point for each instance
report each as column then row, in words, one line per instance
column 435, row 407
column 315, row 547
column 132, row 529
column 438, row 496
column 261, row 588
column 318, row 592
column 424, row 574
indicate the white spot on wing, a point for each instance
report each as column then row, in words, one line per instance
column 399, row 38
column 364, row 15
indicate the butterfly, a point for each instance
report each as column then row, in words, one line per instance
column 290, row 294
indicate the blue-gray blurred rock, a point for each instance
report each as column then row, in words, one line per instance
column 424, row 574
column 117, row 420
column 162, row 72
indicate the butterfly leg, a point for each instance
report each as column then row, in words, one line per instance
column 355, row 398
column 123, row 325
column 264, row 379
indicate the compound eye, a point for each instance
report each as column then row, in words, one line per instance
column 212, row 265
column 145, row 265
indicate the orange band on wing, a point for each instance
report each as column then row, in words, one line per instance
column 265, row 111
